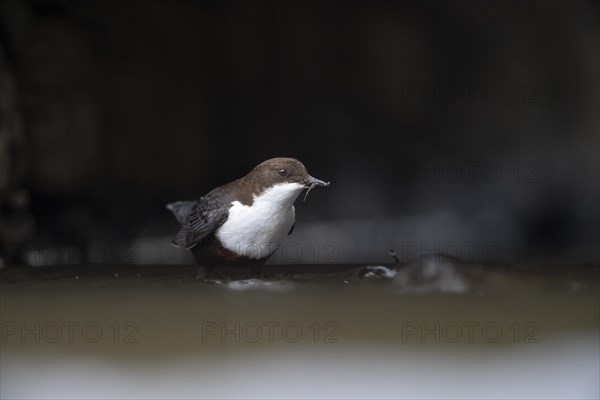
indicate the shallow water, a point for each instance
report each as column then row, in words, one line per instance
column 443, row 331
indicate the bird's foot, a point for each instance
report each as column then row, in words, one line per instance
column 216, row 276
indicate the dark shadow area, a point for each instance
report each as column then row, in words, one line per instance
column 444, row 127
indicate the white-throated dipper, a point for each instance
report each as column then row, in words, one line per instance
column 243, row 222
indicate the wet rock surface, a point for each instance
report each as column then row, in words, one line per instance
column 428, row 275
column 369, row 331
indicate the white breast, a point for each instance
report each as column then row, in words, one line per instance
column 256, row 231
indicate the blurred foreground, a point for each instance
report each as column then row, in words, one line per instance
column 426, row 330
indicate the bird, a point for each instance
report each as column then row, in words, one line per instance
column 242, row 223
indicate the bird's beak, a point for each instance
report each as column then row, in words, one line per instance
column 312, row 181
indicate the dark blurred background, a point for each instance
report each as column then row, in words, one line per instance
column 465, row 128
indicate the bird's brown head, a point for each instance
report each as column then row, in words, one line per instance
column 282, row 170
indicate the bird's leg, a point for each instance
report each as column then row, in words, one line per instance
column 214, row 274
column 201, row 272
column 256, row 271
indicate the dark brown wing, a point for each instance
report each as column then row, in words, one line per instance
column 205, row 217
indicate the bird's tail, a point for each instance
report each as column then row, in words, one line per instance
column 181, row 210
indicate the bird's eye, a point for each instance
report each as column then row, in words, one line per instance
column 282, row 172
